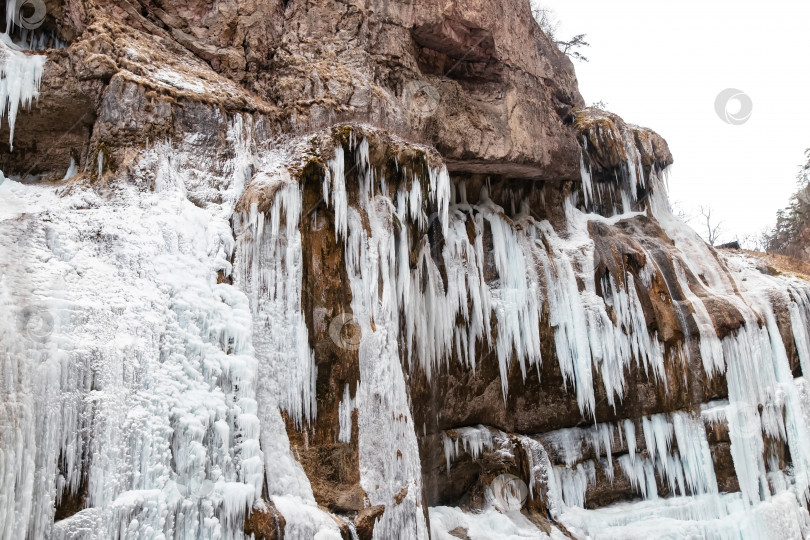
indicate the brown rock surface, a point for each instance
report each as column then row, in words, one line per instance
column 267, row 524
column 136, row 65
column 365, row 521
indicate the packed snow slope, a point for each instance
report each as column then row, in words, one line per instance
column 354, row 270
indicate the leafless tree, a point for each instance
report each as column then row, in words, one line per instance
column 680, row 212
column 713, row 229
column 550, row 24
column 754, row 241
column 547, row 19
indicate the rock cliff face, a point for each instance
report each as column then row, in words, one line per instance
column 320, row 269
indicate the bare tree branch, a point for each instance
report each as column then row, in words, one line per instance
column 755, row 241
column 680, row 212
column 713, row 228
column 547, row 19
column 550, row 24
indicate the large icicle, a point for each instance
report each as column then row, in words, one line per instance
column 687, row 470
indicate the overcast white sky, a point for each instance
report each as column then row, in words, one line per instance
column 661, row 64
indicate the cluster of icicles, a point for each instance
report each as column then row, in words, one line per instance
column 536, row 265
column 688, row 469
column 619, row 196
column 671, row 447
column 200, row 437
column 764, row 397
column 20, row 75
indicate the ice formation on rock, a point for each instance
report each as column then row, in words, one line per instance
column 529, row 274
column 157, row 352
column 157, row 386
column 269, row 269
column 536, row 265
column 129, row 371
column 20, row 77
column 528, row 317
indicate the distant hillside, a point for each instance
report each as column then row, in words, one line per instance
column 791, row 235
